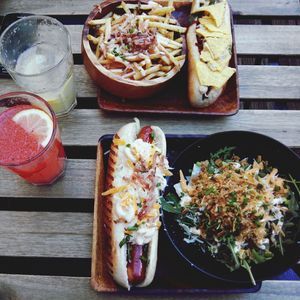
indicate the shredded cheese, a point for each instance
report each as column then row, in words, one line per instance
column 119, row 142
column 115, row 190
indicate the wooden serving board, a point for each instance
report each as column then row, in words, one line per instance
column 173, row 274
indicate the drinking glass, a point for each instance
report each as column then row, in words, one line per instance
column 20, row 153
column 36, row 51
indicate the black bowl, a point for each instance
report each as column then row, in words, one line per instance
column 247, row 144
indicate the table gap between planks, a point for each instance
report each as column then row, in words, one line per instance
column 46, row 232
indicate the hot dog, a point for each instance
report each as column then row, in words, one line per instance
column 209, row 42
column 135, row 178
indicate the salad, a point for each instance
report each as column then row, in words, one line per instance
column 241, row 212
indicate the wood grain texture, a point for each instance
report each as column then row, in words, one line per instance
column 250, row 39
column 72, row 7
column 14, row 222
column 77, row 182
column 84, row 127
column 256, row 82
column 269, row 82
column 268, row 39
column 24, row 287
column 45, row 234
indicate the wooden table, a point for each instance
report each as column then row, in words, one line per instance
column 46, row 232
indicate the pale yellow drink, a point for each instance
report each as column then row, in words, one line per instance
column 36, row 51
column 64, row 99
column 59, row 86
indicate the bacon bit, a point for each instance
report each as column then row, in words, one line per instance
column 139, row 41
column 115, row 65
column 147, row 206
column 140, row 180
column 142, row 213
column 142, row 41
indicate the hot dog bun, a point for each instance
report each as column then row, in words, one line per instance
column 120, row 218
column 210, row 53
column 197, row 93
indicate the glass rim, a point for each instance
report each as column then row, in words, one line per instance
column 53, row 134
column 69, row 47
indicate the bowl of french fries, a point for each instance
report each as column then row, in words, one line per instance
column 133, row 49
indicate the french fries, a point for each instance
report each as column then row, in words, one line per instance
column 138, row 42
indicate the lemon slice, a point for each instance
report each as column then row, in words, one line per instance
column 35, row 122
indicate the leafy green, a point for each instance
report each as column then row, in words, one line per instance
column 116, row 53
column 223, row 153
column 261, row 257
column 291, row 225
column 212, row 168
column 125, row 240
column 246, row 266
column 293, row 205
column 144, row 259
column 245, row 201
column 295, row 183
column 232, row 201
column 225, row 249
column 170, row 204
column 230, row 244
column 210, row 190
column 280, row 245
column 191, row 217
column 129, row 251
column 135, row 227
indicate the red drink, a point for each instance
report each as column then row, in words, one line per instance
column 30, row 143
